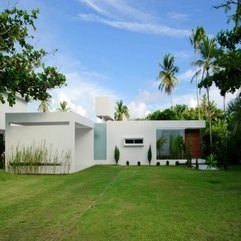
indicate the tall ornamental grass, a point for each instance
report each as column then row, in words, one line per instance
column 39, row 159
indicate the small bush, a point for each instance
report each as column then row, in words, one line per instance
column 167, row 163
column 127, row 163
column 211, row 161
column 2, row 161
column 158, row 163
column 116, row 154
column 149, row 155
column 138, row 163
column 197, row 165
column 177, row 163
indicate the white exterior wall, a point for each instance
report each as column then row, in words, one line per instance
column 20, row 106
column 57, row 129
column 118, row 130
column 84, row 148
column 104, row 107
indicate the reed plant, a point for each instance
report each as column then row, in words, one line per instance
column 39, row 159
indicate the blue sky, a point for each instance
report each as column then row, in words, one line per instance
column 113, row 47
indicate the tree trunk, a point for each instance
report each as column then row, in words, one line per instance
column 171, row 101
column 210, row 122
column 198, row 106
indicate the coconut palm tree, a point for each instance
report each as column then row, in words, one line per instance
column 167, row 76
column 63, row 106
column 206, row 67
column 197, row 35
column 44, row 105
column 120, row 110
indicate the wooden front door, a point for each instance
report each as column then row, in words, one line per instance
column 195, row 142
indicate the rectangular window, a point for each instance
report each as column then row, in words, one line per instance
column 133, row 142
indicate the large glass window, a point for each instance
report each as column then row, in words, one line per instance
column 169, row 144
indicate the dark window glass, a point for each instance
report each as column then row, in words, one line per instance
column 138, row 141
column 129, row 141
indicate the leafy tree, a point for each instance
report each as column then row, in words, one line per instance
column 180, row 111
column 197, row 36
column 63, row 106
column 227, row 76
column 167, row 114
column 234, row 131
column 167, row 76
column 22, row 70
column 228, row 5
column 120, row 110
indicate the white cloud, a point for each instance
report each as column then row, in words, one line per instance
column 178, row 16
column 94, row 6
column 80, row 94
column 215, row 96
column 138, row 109
column 186, row 76
column 120, row 9
column 183, row 54
column 120, row 14
column 134, row 26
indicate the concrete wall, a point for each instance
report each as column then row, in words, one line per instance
column 20, row 106
column 84, row 148
column 118, row 130
column 104, row 107
column 59, row 130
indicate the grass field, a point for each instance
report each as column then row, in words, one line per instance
column 122, row 203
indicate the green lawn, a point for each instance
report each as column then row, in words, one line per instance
column 122, row 203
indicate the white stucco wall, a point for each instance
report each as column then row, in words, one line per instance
column 60, row 131
column 20, row 106
column 118, row 130
column 84, row 149
column 104, row 107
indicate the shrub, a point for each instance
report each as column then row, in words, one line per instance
column 2, row 161
column 149, row 155
column 197, row 165
column 138, row 163
column 158, row 163
column 127, row 163
column 116, row 154
column 211, row 161
column 167, row 163
column 177, row 163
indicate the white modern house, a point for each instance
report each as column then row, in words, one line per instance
column 71, row 142
column 20, row 106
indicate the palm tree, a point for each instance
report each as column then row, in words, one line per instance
column 167, row 76
column 121, row 110
column 197, row 35
column 44, row 105
column 206, row 65
column 63, row 106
